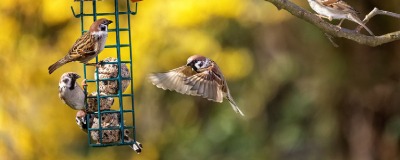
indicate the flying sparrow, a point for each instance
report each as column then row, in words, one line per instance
column 337, row 9
column 108, row 120
column 70, row 92
column 88, row 46
column 107, row 71
column 105, row 103
column 200, row 76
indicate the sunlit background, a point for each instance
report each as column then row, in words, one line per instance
column 302, row 97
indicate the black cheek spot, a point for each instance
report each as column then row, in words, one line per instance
column 103, row 28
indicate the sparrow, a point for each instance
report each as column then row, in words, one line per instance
column 200, row 76
column 107, row 71
column 108, row 136
column 88, row 46
column 105, row 103
column 337, row 9
column 70, row 92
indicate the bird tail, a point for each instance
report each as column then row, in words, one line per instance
column 58, row 64
column 358, row 21
column 234, row 106
column 137, row 147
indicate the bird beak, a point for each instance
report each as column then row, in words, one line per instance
column 77, row 76
column 108, row 22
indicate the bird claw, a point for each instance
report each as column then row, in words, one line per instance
column 322, row 17
column 99, row 64
column 84, row 84
column 338, row 28
column 90, row 64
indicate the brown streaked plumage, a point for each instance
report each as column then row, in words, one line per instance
column 337, row 9
column 200, row 76
column 88, row 46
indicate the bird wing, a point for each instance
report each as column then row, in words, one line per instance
column 208, row 84
column 173, row 80
column 339, row 5
column 83, row 47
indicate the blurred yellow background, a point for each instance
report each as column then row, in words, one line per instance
column 303, row 98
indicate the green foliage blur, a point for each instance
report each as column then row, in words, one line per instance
column 302, row 97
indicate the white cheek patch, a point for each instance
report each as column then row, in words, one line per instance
column 99, row 34
column 62, row 85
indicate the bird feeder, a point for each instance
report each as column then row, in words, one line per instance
column 124, row 99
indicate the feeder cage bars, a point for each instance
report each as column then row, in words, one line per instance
column 123, row 129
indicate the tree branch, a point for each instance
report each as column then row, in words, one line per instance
column 334, row 30
column 375, row 12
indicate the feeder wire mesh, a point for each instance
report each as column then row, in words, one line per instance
column 121, row 127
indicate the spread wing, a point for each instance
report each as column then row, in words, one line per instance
column 208, row 84
column 174, row 80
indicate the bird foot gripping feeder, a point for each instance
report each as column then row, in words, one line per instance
column 114, row 83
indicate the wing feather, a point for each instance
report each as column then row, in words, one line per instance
column 338, row 5
column 205, row 85
column 173, row 80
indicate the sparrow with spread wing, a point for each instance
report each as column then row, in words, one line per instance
column 88, row 46
column 200, row 76
column 337, row 9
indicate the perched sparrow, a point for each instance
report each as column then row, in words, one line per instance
column 336, row 9
column 88, row 46
column 108, row 120
column 200, row 76
column 107, row 71
column 70, row 92
column 105, row 103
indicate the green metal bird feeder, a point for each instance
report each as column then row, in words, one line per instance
column 122, row 98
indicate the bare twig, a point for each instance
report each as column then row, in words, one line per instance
column 331, row 40
column 375, row 12
column 332, row 29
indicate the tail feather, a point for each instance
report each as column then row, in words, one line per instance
column 58, row 64
column 234, row 106
column 358, row 21
column 137, row 147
